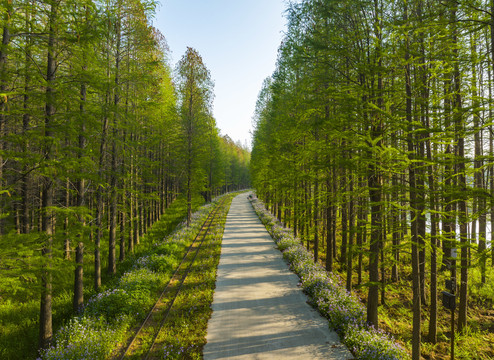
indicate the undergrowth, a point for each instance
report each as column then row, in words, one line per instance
column 102, row 324
column 344, row 311
column 184, row 336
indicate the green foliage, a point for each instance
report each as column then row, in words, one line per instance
column 344, row 311
column 482, row 293
column 85, row 338
column 379, row 112
column 93, row 138
column 161, row 262
column 114, row 303
column 105, row 318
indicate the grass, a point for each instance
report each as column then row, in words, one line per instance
column 19, row 304
column 395, row 316
column 344, row 311
column 126, row 300
column 184, row 335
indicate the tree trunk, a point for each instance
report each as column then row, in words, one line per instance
column 395, row 228
column 48, row 220
column 434, row 225
column 491, row 131
column 460, row 173
column 361, row 233
column 66, row 222
column 375, row 186
column 112, row 261
column 479, row 200
column 416, row 286
column 344, row 219
column 351, row 225
column 329, row 227
column 26, row 118
column 316, row 219
column 78, row 301
column 6, row 37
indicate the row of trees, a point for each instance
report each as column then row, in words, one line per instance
column 378, row 123
column 96, row 140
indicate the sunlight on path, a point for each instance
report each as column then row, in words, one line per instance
column 258, row 310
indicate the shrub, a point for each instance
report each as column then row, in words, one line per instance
column 140, row 279
column 370, row 344
column 158, row 262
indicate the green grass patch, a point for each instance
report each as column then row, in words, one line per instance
column 20, row 290
column 125, row 300
column 326, row 292
column 184, row 335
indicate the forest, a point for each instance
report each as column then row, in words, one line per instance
column 374, row 142
column 100, row 136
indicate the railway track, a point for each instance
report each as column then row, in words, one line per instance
column 144, row 343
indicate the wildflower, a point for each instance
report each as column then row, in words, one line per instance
column 343, row 310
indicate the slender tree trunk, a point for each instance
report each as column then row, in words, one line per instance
column 375, row 186
column 434, row 244
column 395, row 228
column 316, row 203
column 66, row 222
column 78, row 300
column 112, row 261
column 26, row 118
column 448, row 222
column 460, row 174
column 344, row 218
column 491, row 129
column 416, row 330
column 480, row 200
column 361, row 233
column 48, row 220
column 329, row 226
column 99, row 205
column 6, row 38
column 351, row 225
column 375, row 246
column 316, row 219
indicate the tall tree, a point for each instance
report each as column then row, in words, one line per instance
column 45, row 322
column 195, row 96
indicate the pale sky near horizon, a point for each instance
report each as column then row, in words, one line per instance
column 238, row 41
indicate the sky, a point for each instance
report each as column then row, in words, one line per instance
column 238, row 41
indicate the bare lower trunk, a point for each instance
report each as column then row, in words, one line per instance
column 79, row 277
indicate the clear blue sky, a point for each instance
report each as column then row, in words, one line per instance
column 238, row 41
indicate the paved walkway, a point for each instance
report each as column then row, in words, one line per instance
column 258, row 310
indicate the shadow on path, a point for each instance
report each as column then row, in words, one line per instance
column 258, row 310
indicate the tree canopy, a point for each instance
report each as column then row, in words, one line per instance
column 374, row 133
column 97, row 139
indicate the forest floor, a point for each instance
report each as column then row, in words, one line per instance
column 395, row 315
column 19, row 306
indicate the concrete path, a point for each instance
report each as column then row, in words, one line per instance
column 259, row 312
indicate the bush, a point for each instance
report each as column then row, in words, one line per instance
column 140, row 279
column 370, row 344
column 158, row 262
